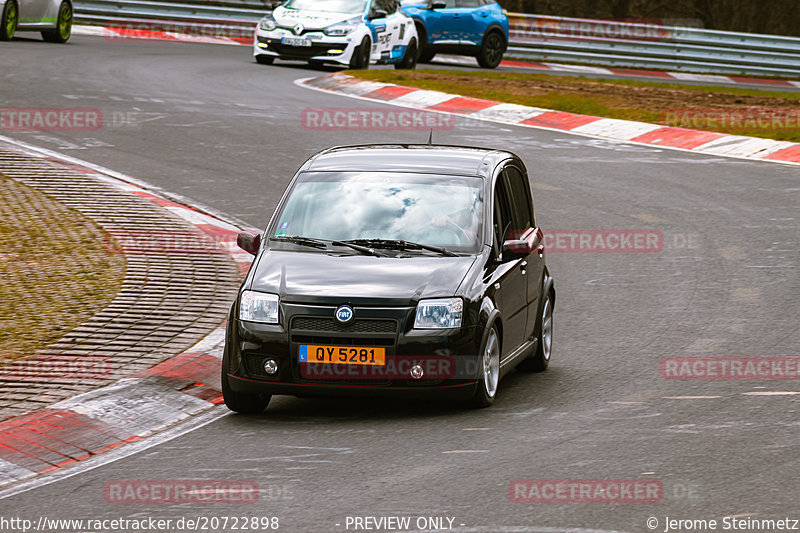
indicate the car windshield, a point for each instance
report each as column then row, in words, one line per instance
column 434, row 210
column 329, row 6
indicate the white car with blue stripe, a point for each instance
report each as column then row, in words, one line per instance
column 351, row 33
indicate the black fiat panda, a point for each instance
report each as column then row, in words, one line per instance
column 393, row 270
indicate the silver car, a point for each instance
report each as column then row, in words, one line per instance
column 53, row 18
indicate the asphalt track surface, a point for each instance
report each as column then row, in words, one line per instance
column 206, row 122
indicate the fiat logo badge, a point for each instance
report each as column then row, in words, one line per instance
column 344, row 314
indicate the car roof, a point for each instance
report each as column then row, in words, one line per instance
column 417, row 158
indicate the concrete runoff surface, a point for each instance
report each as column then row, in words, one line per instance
column 208, row 124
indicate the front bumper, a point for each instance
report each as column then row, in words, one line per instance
column 323, row 48
column 449, row 357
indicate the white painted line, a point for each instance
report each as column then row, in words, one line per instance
column 459, row 60
column 475, row 429
column 510, row 113
column 183, row 37
column 743, row 146
column 617, row 129
column 700, row 77
column 196, row 217
column 690, row 397
column 121, row 452
column 211, row 343
column 89, row 30
column 578, row 68
column 771, row 393
column 9, row 472
column 363, row 87
column 795, row 83
column 422, row 99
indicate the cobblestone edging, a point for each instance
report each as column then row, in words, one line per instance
column 167, row 302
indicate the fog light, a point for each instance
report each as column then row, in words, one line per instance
column 271, row 367
column 416, row 372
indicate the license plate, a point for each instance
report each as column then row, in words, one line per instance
column 345, row 355
column 295, row 41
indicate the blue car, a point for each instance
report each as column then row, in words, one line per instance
column 476, row 28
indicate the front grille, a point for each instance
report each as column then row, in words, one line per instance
column 301, row 52
column 343, row 341
column 367, row 326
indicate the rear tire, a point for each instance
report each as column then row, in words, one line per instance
column 492, row 50
column 8, row 21
column 538, row 361
column 63, row 27
column 409, row 60
column 265, row 60
column 240, row 402
column 360, row 59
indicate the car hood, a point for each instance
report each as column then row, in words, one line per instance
column 321, row 278
column 309, row 19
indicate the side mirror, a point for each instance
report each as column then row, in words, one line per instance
column 248, row 242
column 523, row 245
column 438, row 4
column 378, row 14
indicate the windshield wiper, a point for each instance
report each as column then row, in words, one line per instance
column 323, row 243
column 303, row 241
column 400, row 245
column 363, row 249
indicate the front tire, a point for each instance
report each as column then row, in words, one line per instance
column 489, row 377
column 492, row 50
column 63, row 25
column 240, row 402
column 360, row 59
column 426, row 56
column 409, row 60
column 8, row 21
column 265, row 60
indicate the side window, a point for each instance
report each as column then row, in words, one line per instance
column 469, row 3
column 501, row 220
column 519, row 197
column 390, row 6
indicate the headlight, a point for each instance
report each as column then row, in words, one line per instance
column 259, row 307
column 267, row 23
column 343, row 28
column 439, row 313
